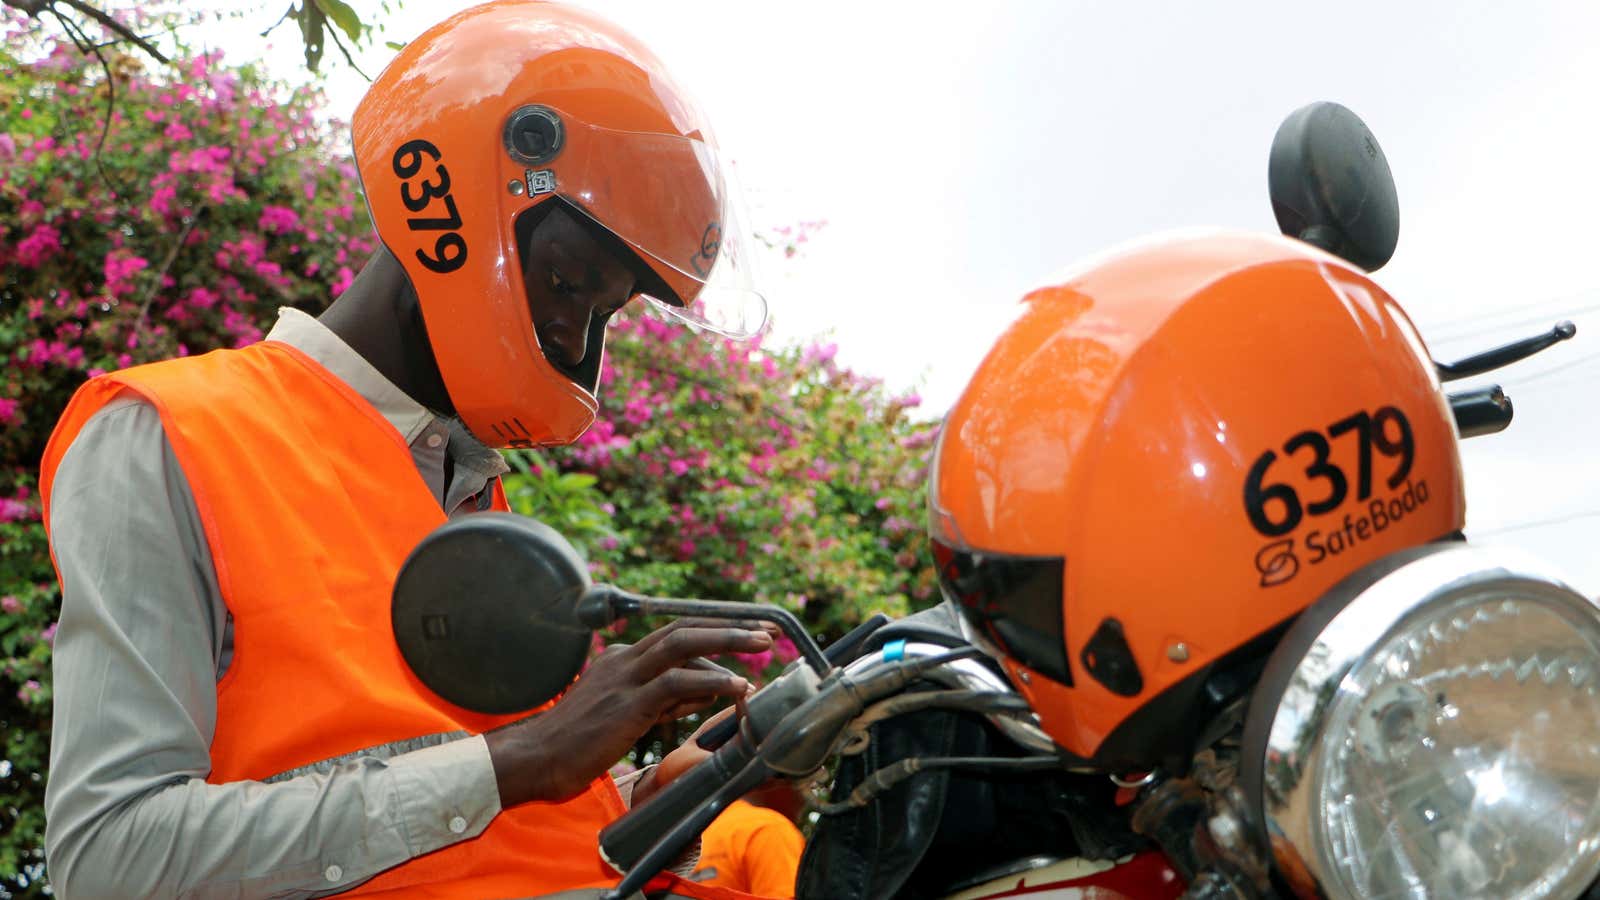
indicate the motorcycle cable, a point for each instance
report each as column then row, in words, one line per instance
column 856, row 734
column 887, row 777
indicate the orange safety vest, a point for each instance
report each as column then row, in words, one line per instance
column 310, row 501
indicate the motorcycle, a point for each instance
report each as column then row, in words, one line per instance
column 1288, row 767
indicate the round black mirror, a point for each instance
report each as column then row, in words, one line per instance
column 1331, row 185
column 483, row 611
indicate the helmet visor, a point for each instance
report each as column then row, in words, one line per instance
column 674, row 202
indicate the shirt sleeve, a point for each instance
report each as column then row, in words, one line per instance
column 136, row 661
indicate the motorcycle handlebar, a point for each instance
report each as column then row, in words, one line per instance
column 799, row 720
column 838, row 653
column 1484, row 411
column 626, row 841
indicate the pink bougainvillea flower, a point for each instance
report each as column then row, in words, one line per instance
column 120, row 267
column 278, row 220
column 40, row 244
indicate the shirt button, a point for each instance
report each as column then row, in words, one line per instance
column 333, row 873
column 434, row 440
column 458, row 825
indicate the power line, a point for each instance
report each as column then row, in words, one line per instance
column 1523, row 526
column 1452, row 330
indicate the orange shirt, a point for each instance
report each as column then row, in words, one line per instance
column 751, row 848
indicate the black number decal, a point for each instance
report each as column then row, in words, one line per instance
column 442, row 262
column 449, row 249
column 1405, row 447
column 1320, row 468
column 430, row 191
column 1256, row 496
column 447, row 224
column 1362, row 424
column 1274, row 508
column 412, row 151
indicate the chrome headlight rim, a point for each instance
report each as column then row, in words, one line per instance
column 1345, row 628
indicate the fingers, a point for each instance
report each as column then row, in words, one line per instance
column 685, row 708
column 649, row 640
column 679, row 646
column 707, row 665
column 686, row 687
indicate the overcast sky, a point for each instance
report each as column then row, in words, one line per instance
column 961, row 153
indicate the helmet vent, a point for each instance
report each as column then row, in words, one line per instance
column 534, row 135
column 1110, row 662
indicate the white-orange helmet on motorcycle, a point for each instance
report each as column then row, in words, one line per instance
column 1169, row 453
column 468, row 135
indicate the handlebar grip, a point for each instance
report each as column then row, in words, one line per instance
column 838, row 653
column 1480, row 412
column 624, row 842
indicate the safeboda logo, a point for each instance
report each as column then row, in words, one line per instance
column 1349, row 500
column 1278, row 562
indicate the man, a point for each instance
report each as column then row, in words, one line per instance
column 232, row 716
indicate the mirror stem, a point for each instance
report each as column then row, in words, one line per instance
column 603, row 604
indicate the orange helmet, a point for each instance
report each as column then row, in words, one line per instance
column 497, row 112
column 1169, row 454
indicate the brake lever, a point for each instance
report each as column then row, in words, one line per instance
column 839, row 653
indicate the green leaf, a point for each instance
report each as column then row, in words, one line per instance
column 577, row 481
column 343, row 16
column 312, row 21
column 395, row 45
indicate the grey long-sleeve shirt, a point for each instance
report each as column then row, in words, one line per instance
column 144, row 638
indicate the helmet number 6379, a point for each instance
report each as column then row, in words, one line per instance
column 1275, row 508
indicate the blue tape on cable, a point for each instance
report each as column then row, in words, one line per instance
column 894, row 651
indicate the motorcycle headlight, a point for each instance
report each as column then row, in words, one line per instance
column 1431, row 728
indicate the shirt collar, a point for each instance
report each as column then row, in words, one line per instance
column 316, row 340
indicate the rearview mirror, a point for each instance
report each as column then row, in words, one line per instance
column 1331, row 186
column 484, row 612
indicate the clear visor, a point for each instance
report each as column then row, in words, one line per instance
column 677, row 205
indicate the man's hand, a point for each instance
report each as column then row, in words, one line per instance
column 626, row 690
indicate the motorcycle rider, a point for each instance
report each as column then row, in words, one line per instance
column 232, row 716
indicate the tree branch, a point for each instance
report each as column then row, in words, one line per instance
column 106, row 22
column 280, row 21
column 84, row 45
column 334, row 32
column 141, row 323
